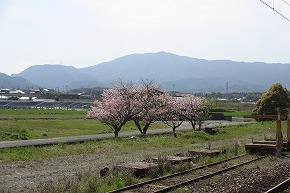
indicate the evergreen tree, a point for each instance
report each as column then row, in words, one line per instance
column 276, row 96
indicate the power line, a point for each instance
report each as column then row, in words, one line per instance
column 275, row 10
column 286, row 2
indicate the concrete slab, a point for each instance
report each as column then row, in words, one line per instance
column 175, row 159
column 206, row 152
column 138, row 168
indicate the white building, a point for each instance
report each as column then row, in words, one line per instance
column 3, row 97
column 16, row 92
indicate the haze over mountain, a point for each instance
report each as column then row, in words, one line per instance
column 56, row 76
column 14, row 82
column 180, row 73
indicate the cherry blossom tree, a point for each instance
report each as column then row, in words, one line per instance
column 118, row 105
column 171, row 112
column 202, row 114
column 194, row 109
column 144, row 105
column 151, row 100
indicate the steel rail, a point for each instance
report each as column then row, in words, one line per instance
column 173, row 175
column 280, row 186
column 207, row 175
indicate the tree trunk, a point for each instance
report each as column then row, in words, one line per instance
column 199, row 126
column 193, row 123
column 174, row 132
column 146, row 128
column 138, row 126
column 117, row 130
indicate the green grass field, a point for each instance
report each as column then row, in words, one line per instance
column 243, row 133
column 37, row 124
column 41, row 124
column 236, row 113
column 235, row 106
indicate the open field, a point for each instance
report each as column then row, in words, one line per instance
column 235, row 106
column 237, row 113
column 41, row 124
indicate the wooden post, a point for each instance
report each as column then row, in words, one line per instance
column 288, row 126
column 279, row 140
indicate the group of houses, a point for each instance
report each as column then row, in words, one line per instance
column 38, row 94
column 7, row 94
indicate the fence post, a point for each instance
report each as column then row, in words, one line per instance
column 288, row 126
column 279, row 138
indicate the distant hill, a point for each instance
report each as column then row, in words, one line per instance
column 192, row 74
column 15, row 82
column 185, row 73
column 212, row 84
column 54, row 76
column 160, row 66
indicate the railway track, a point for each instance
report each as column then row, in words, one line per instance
column 278, row 188
column 181, row 179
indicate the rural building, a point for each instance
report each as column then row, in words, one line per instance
column 16, row 92
column 4, row 91
column 3, row 97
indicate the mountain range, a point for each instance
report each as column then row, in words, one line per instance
column 14, row 82
column 172, row 72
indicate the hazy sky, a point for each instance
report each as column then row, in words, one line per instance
column 83, row 33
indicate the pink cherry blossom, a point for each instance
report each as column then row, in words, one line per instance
column 117, row 106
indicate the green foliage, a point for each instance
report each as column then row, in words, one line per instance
column 15, row 134
column 276, row 97
column 23, row 134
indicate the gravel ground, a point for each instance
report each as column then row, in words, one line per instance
column 27, row 176
column 256, row 177
column 24, row 176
